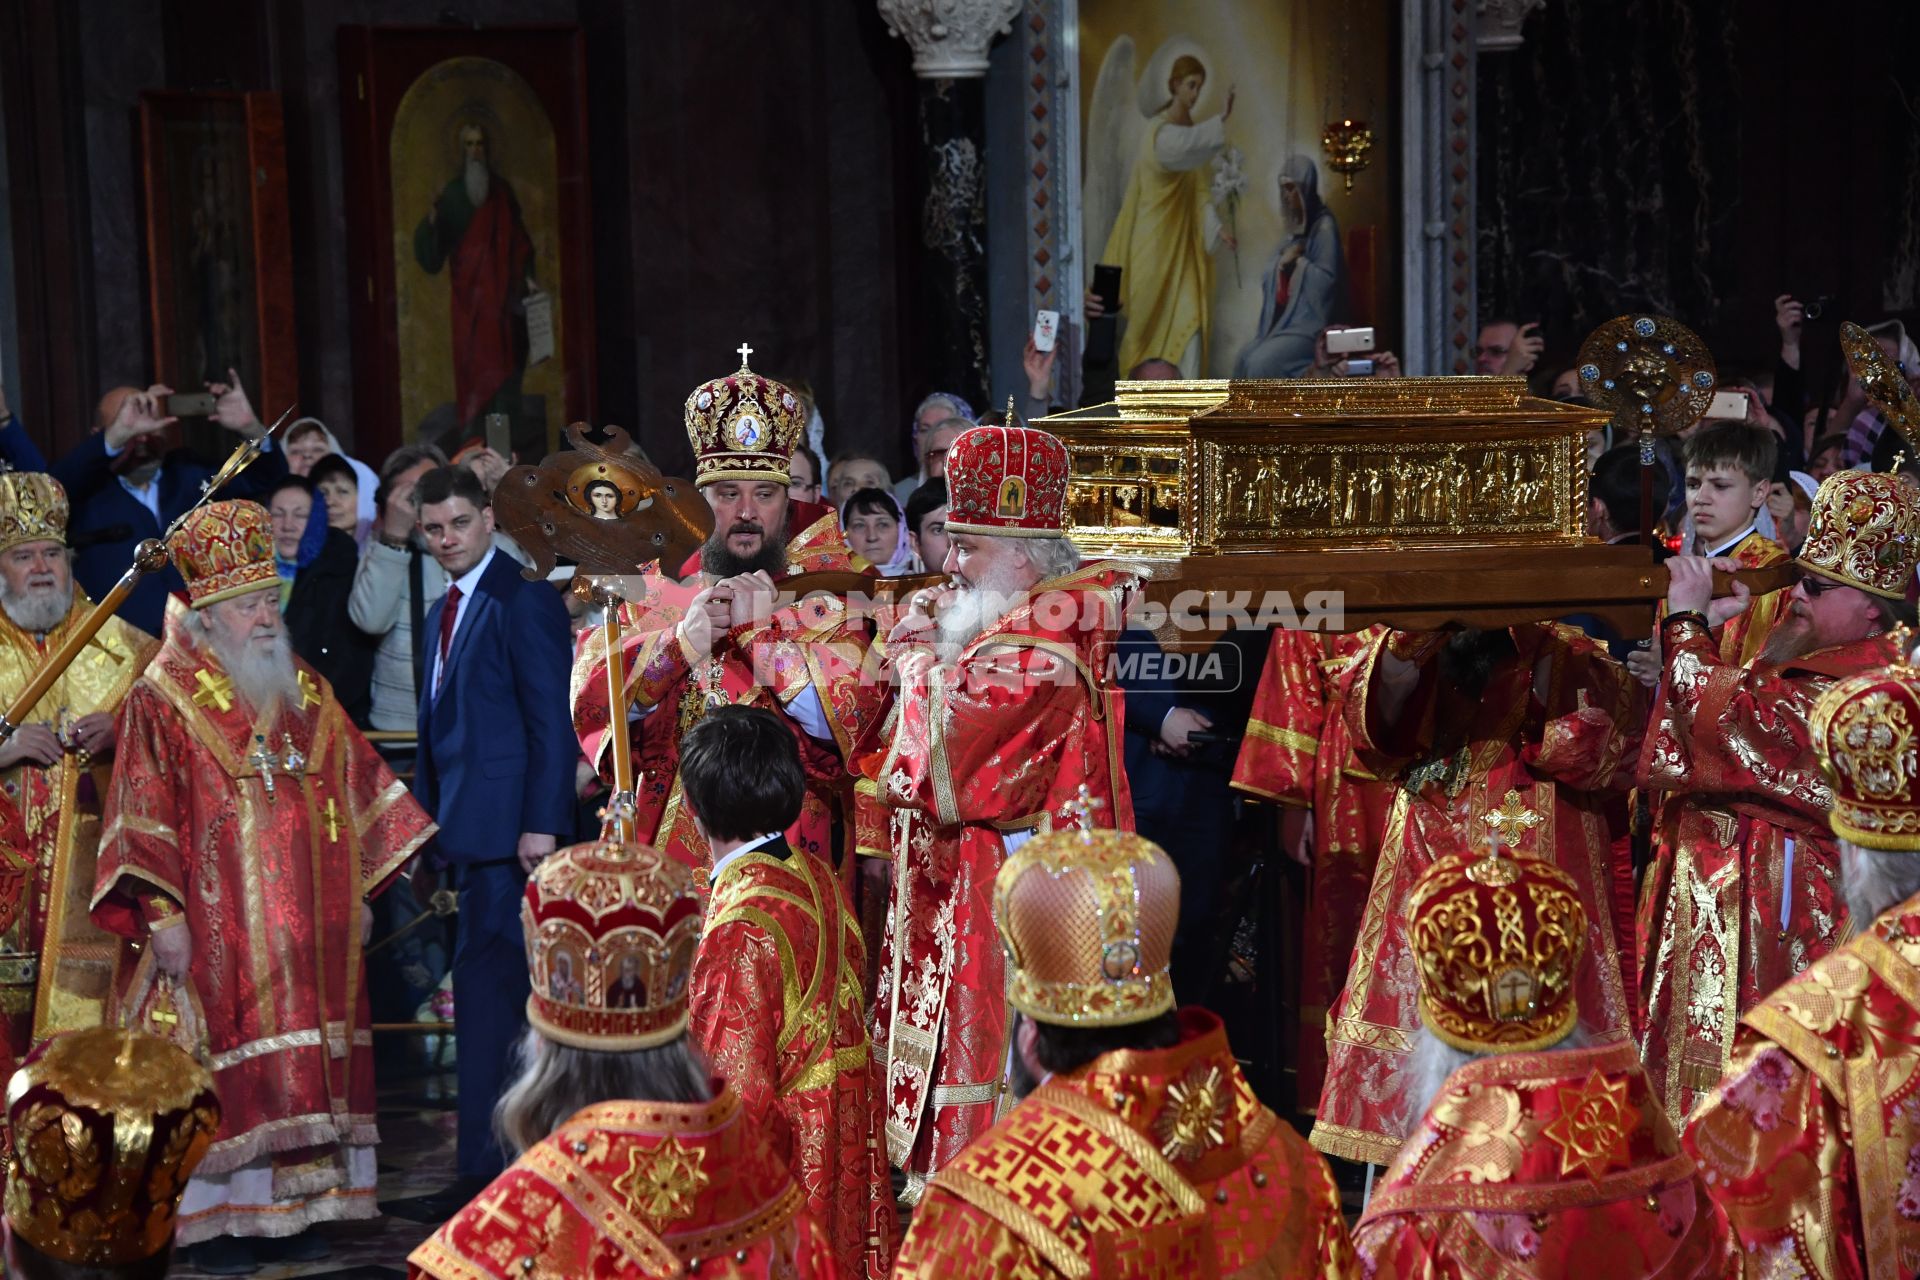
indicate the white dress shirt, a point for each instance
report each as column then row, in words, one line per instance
column 758, row 842
column 467, row 582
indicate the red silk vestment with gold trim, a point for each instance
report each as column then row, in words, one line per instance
column 1143, row 1163
column 1811, row 1142
column 813, row 644
column 628, row 1189
column 1297, row 752
column 999, row 740
column 1731, row 747
column 1741, row 637
column 270, row 886
column 1544, row 1164
column 777, row 1004
column 58, row 970
column 1560, row 724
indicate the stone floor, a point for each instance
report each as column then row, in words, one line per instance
column 416, row 1159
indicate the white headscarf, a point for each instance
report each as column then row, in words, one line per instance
column 369, row 479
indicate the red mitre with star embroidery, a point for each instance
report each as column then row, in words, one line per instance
column 224, row 549
column 611, row 930
column 1007, row 482
column 744, row 427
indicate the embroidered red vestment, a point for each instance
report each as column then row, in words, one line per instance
column 1544, row 1164
column 998, row 741
column 777, row 1005
column 1142, row 1163
column 1740, row 895
column 636, row 1189
column 1559, row 724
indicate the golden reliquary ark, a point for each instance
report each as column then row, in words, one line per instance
column 1177, row 468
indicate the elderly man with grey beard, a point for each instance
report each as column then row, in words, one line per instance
column 1533, row 1146
column 1007, row 722
column 247, row 824
column 56, row 969
column 1811, row 1143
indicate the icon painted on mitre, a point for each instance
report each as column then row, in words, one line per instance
column 1011, row 504
column 703, row 401
column 561, row 984
column 625, row 987
column 746, row 430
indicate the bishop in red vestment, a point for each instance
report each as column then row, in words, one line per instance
column 1740, row 896
column 1533, row 1155
column 1811, row 1141
column 723, row 642
column 1006, row 714
column 778, row 984
column 1524, row 737
column 633, row 1160
column 1144, row 1153
column 247, row 824
column 1297, row 753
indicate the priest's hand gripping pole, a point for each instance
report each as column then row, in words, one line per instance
column 604, row 593
column 149, row 557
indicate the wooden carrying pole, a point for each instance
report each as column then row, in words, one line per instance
column 621, row 806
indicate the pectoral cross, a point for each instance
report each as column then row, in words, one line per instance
column 744, row 351
column 263, row 760
column 333, row 820
column 1082, row 807
column 1510, row 822
column 217, row 690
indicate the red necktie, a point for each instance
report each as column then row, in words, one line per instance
column 448, row 615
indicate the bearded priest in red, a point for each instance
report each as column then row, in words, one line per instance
column 1741, row 895
column 1298, row 754
column 1006, row 714
column 633, row 1159
column 1811, row 1142
column 1144, row 1153
column 57, row 969
column 1534, row 1149
column 247, row 824
column 778, row 984
column 1522, row 738
column 724, row 643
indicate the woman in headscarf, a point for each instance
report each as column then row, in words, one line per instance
column 1305, row 289
column 316, row 565
column 876, row 532
column 308, row 440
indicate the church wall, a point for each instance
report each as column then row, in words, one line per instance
column 747, row 164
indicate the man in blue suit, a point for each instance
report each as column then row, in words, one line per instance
column 124, row 489
column 496, row 769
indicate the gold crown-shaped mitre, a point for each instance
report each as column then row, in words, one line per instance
column 33, row 508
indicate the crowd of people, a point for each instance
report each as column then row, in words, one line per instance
column 869, row 966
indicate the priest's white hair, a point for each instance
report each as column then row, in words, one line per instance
column 1432, row 1061
column 1873, row 881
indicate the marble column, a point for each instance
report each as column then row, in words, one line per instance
column 950, row 39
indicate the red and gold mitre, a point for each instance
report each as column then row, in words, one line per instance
column 33, row 508
column 744, row 427
column 1864, row 532
column 107, row 1126
column 1007, row 482
column 224, row 549
column 611, row 929
column 1497, row 944
column 1866, row 730
column 1087, row 919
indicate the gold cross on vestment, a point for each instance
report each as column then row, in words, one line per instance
column 217, row 690
column 333, row 820
column 492, row 1212
column 1510, row 821
column 309, row 691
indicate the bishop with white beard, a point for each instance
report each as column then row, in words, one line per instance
column 57, row 971
column 247, row 824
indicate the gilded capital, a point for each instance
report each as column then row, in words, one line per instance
column 950, row 38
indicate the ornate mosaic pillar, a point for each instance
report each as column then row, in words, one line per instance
column 950, row 39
